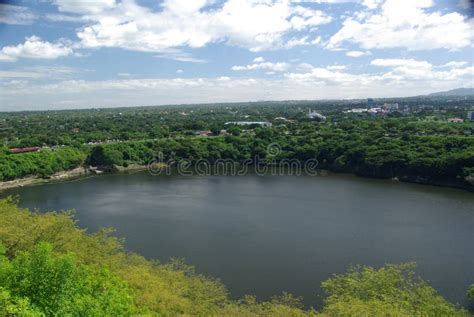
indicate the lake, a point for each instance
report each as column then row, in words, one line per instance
column 264, row 235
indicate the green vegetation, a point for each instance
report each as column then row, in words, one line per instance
column 41, row 281
column 78, row 127
column 470, row 292
column 379, row 148
column 362, row 149
column 418, row 146
column 48, row 267
column 393, row 289
column 42, row 164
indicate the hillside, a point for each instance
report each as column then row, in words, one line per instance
column 455, row 92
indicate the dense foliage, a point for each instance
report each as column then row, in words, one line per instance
column 79, row 127
column 58, row 285
column 42, row 164
column 363, row 148
column 419, row 145
column 393, row 289
column 48, row 266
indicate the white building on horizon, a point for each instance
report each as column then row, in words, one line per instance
column 315, row 115
column 263, row 124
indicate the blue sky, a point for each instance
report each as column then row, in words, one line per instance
column 64, row 54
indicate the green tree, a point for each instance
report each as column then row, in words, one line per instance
column 393, row 290
column 105, row 156
column 470, row 292
column 59, row 285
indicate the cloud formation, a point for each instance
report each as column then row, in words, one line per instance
column 407, row 73
column 253, row 24
column 16, row 15
column 34, row 48
column 357, row 53
column 312, row 84
column 260, row 63
column 346, row 49
column 405, row 24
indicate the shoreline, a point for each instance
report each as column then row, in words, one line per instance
column 35, row 180
column 76, row 173
column 84, row 172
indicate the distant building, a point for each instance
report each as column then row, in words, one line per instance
column 263, row 124
column 470, row 115
column 315, row 115
column 390, row 107
column 376, row 112
column 205, row 133
column 19, row 150
column 455, row 120
column 357, row 110
column 370, row 102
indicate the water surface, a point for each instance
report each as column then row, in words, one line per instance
column 265, row 235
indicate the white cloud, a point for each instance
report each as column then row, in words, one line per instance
column 276, row 67
column 372, row 4
column 329, row 74
column 400, row 79
column 414, row 70
column 400, row 62
column 180, row 56
column 259, row 59
column 34, row 48
column 84, row 6
column 12, row 14
column 357, row 53
column 406, row 24
column 327, row 1
column 304, row 18
column 405, row 69
column 336, row 67
column 179, row 71
column 408, row 73
column 55, row 17
column 19, row 74
column 35, row 72
column 455, row 64
column 254, row 24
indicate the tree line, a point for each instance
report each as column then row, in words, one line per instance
column 427, row 159
column 364, row 148
column 42, row 164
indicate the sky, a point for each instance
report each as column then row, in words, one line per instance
column 65, row 54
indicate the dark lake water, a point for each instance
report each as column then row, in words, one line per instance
column 265, row 235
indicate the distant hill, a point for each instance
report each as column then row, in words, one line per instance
column 455, row 92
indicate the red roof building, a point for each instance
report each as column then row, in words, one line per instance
column 19, row 150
